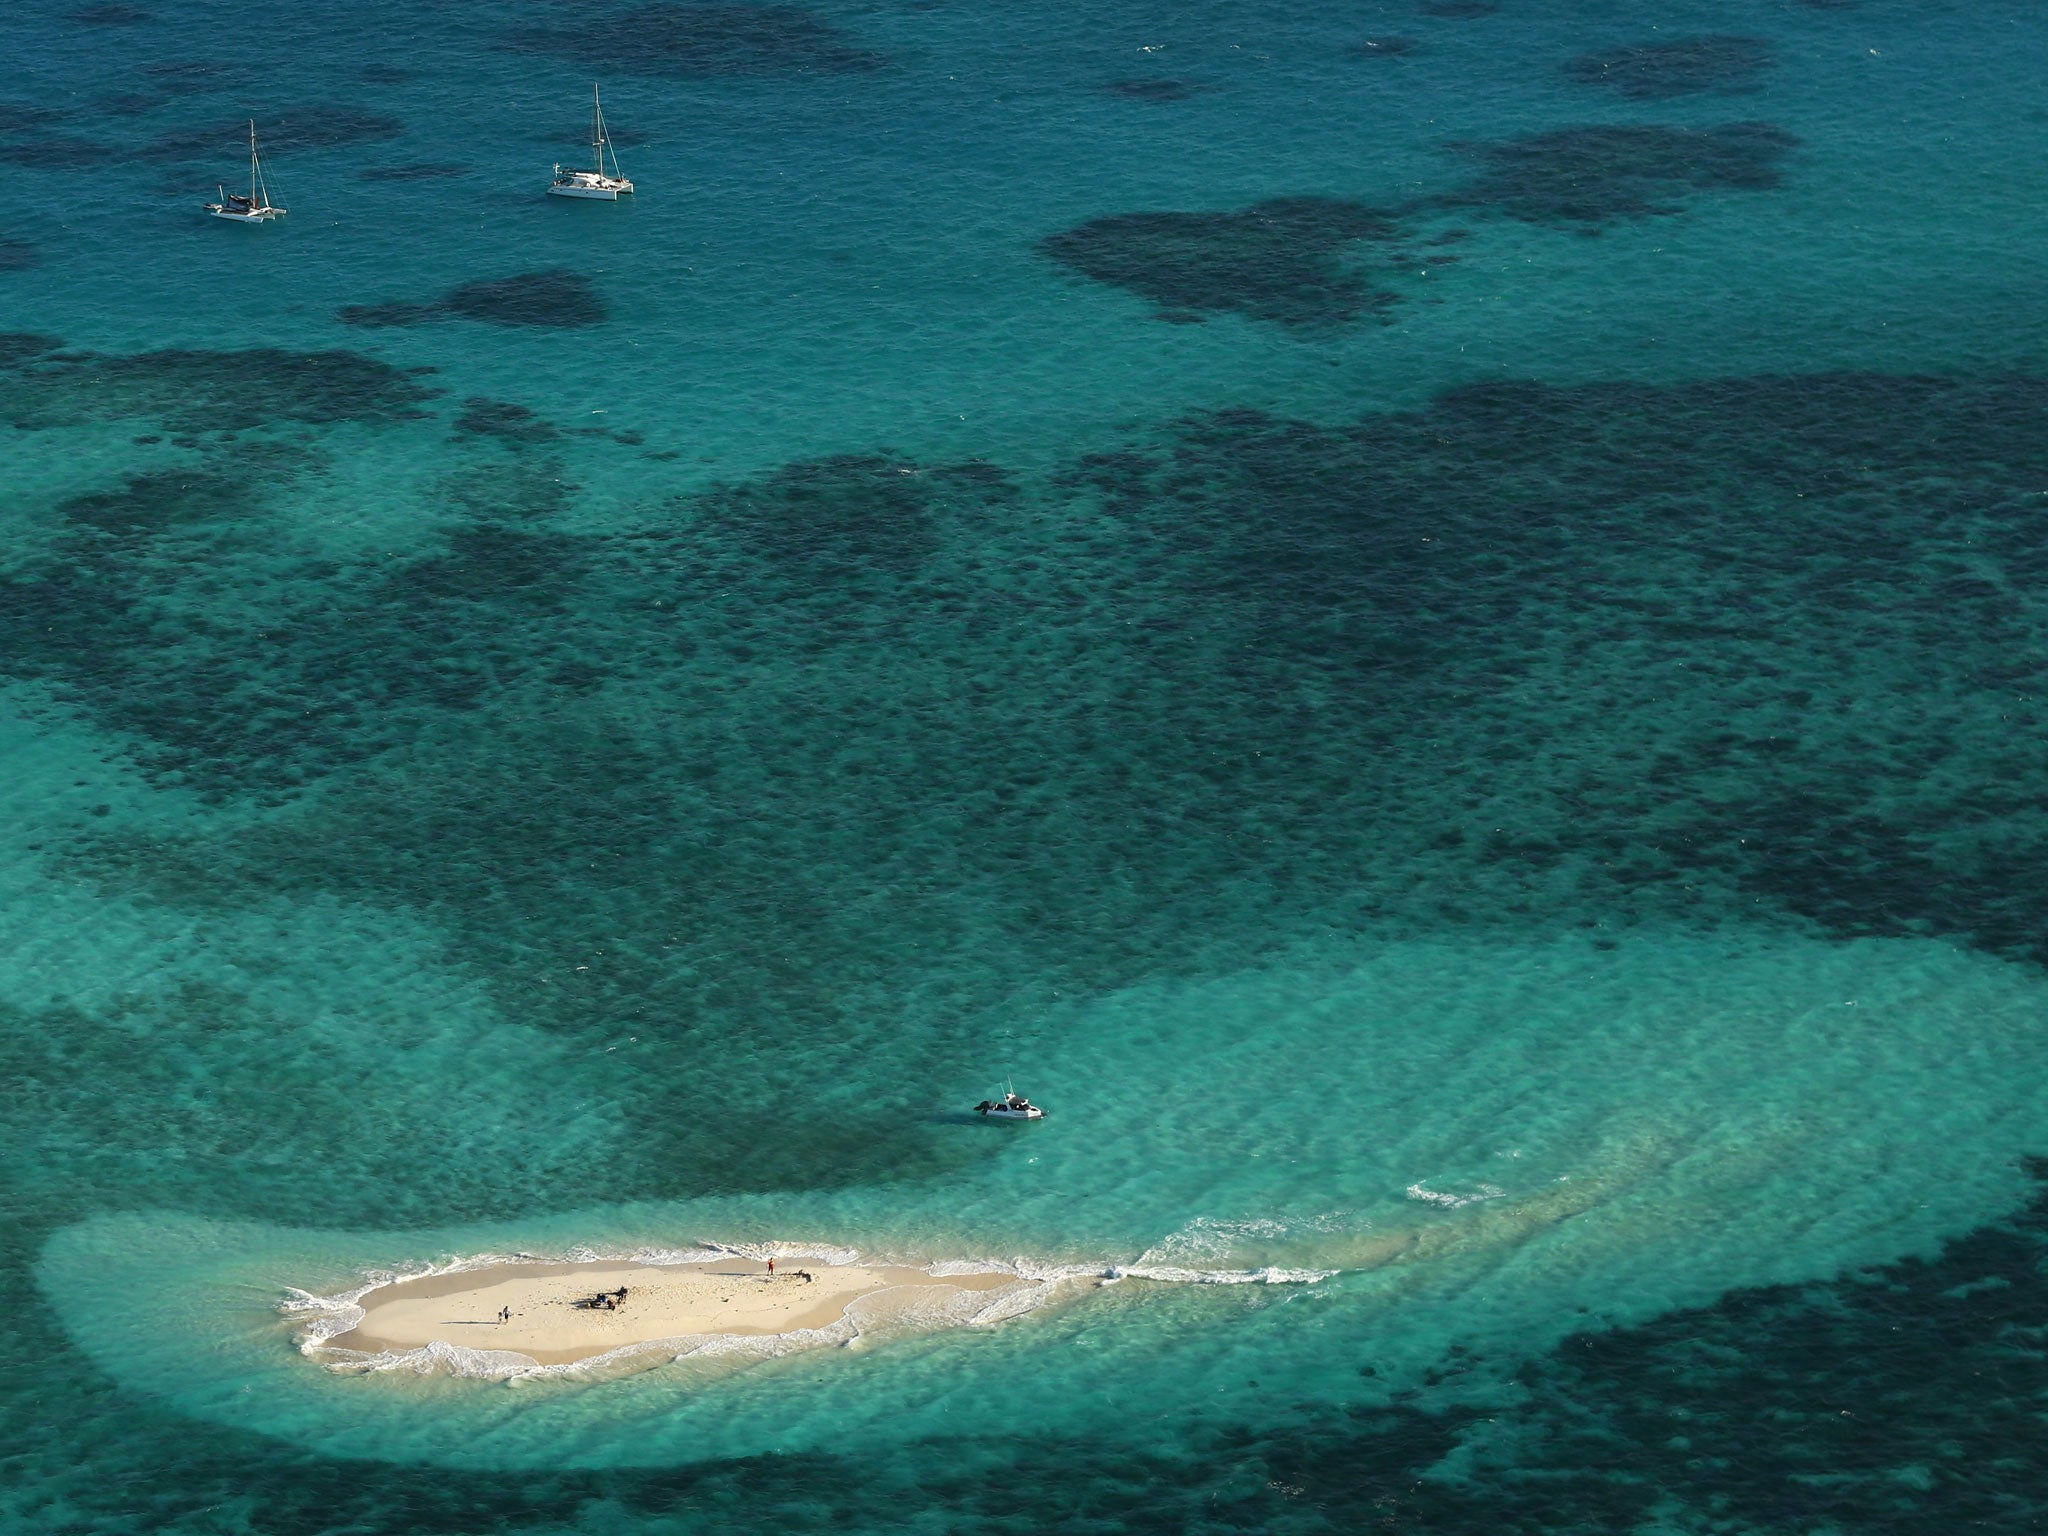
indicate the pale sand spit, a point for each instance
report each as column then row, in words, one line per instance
column 663, row 1301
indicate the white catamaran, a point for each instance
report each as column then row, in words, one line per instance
column 254, row 208
column 593, row 183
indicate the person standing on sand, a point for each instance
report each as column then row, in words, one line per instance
column 771, row 1266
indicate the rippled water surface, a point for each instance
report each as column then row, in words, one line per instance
column 1428, row 620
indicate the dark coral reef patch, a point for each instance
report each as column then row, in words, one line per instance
column 18, row 255
column 704, row 40
column 128, row 103
column 21, row 117
column 1283, row 261
column 425, row 171
column 1396, row 582
column 490, row 562
column 58, row 153
column 1156, row 89
column 1587, row 176
column 186, row 77
column 197, row 390
column 396, row 312
column 1300, row 262
column 554, row 299
column 150, row 505
column 1681, row 67
column 833, row 519
column 502, row 419
column 291, row 131
column 20, row 346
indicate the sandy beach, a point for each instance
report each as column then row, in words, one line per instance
column 664, row 1301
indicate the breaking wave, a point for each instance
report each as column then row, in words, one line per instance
column 1451, row 1200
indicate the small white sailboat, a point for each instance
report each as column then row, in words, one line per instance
column 1011, row 1106
column 595, row 182
column 254, row 208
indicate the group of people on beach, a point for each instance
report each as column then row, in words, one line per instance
column 801, row 1274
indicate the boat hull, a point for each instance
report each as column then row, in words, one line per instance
column 1015, row 1114
column 604, row 194
column 243, row 216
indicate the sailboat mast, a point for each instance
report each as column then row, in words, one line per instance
column 252, row 162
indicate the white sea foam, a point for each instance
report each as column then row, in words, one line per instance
column 325, row 1317
column 1211, row 1250
column 1215, row 1239
column 1450, row 1200
column 824, row 1253
column 1271, row 1274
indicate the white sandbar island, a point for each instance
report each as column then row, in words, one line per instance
column 552, row 1322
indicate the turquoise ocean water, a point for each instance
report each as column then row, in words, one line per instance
column 1428, row 619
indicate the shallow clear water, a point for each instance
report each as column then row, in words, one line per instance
column 1428, row 622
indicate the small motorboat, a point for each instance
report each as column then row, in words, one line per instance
column 257, row 206
column 595, row 182
column 1011, row 1106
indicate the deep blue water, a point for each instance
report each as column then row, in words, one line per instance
column 1428, row 618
